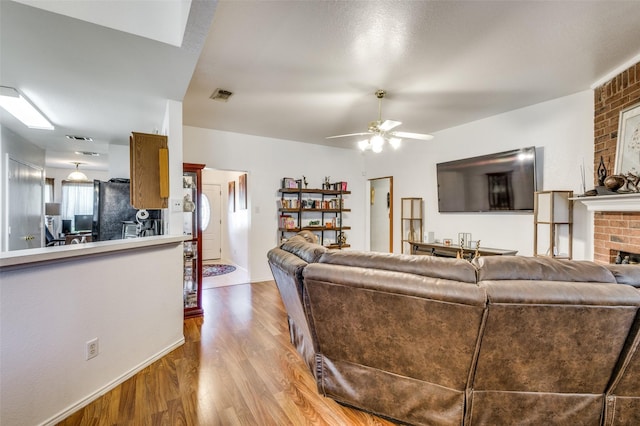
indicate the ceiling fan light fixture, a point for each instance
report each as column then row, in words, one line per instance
column 381, row 131
column 376, row 142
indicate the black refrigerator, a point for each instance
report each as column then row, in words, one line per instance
column 112, row 210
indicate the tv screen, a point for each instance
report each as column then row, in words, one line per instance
column 505, row 181
column 83, row 222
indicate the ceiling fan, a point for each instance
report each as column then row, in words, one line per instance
column 380, row 131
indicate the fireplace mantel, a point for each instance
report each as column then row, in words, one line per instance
column 611, row 203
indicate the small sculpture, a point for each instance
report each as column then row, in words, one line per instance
column 304, row 180
column 187, row 204
column 602, row 172
column 632, row 183
column 342, row 238
column 477, row 254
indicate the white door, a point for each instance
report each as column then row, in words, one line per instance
column 381, row 214
column 25, row 206
column 211, row 221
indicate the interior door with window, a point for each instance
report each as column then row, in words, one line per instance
column 211, row 221
column 25, row 206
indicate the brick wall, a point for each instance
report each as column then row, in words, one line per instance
column 614, row 231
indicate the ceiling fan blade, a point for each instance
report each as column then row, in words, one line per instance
column 389, row 124
column 410, row 135
column 350, row 134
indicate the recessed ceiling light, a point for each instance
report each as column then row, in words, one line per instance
column 93, row 154
column 79, row 138
column 221, row 95
column 20, row 107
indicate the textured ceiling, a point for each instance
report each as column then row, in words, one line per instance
column 304, row 70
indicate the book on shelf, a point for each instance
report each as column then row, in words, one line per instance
column 287, row 222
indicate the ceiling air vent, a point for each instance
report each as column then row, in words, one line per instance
column 221, row 95
column 80, row 138
column 89, row 153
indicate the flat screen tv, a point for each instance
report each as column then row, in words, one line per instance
column 500, row 182
column 83, row 223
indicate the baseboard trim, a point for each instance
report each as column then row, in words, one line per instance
column 119, row 380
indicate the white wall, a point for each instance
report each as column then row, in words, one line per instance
column 49, row 312
column 267, row 161
column 119, row 161
column 563, row 128
column 172, row 128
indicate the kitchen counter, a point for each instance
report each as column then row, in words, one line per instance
column 26, row 258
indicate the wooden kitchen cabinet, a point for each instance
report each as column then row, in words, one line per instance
column 149, row 171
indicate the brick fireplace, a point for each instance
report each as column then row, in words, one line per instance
column 614, row 231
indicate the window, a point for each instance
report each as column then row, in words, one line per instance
column 48, row 190
column 77, row 198
column 205, row 212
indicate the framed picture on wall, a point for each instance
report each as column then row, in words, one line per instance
column 628, row 147
column 232, row 196
column 242, row 191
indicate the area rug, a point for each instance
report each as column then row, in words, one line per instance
column 216, row 269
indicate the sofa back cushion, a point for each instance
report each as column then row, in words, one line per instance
column 550, row 344
column 407, row 324
column 393, row 342
column 305, row 250
column 540, row 268
column 428, row 266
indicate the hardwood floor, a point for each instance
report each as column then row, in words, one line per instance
column 237, row 367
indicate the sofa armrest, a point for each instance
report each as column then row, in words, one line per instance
column 626, row 274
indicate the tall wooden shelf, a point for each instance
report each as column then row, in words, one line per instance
column 553, row 224
column 192, row 284
column 317, row 210
column 410, row 222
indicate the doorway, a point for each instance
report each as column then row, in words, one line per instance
column 381, row 214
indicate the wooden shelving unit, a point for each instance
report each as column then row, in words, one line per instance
column 553, row 224
column 317, row 210
column 410, row 222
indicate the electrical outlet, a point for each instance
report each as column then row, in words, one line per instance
column 92, row 348
column 176, row 205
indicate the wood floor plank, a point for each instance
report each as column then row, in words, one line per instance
column 237, row 367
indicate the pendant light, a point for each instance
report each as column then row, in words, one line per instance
column 77, row 175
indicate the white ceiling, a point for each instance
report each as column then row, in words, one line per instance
column 304, row 70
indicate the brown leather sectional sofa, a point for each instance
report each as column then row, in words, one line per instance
column 505, row 340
